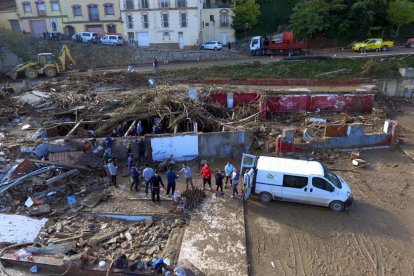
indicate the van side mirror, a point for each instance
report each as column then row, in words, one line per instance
column 332, row 189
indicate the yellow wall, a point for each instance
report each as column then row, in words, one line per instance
column 80, row 23
column 65, row 17
column 5, row 16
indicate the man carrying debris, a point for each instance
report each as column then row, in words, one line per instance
column 156, row 182
column 112, row 171
column 235, row 181
column 141, row 149
column 134, row 172
column 147, row 173
column 188, row 176
column 228, row 170
column 206, row 174
column 171, row 177
column 108, row 142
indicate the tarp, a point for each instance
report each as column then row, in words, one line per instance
column 19, row 229
column 181, row 147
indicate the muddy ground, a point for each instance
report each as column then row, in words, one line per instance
column 375, row 237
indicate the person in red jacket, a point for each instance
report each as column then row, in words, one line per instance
column 206, row 174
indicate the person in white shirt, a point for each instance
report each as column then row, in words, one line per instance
column 148, row 172
column 235, row 181
column 112, row 169
column 188, row 176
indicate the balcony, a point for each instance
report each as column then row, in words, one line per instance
column 224, row 23
column 224, row 4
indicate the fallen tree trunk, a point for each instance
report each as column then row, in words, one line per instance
column 74, row 128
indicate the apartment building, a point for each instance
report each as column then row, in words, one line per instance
column 69, row 16
column 100, row 16
column 216, row 16
column 176, row 23
column 8, row 16
column 168, row 23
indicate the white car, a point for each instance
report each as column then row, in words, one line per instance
column 211, row 45
column 85, row 37
column 112, row 40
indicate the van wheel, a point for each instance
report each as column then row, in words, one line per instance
column 265, row 197
column 258, row 53
column 337, row 206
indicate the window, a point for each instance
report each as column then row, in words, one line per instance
column 41, row 8
column 322, row 184
column 77, row 11
column 165, row 20
column 224, row 18
column 55, row 5
column 26, row 7
column 181, row 3
column 130, row 22
column 111, row 28
column 212, row 17
column 145, row 23
column 93, row 12
column 131, row 38
column 144, row 4
column 164, row 3
column 109, row 9
column 129, row 4
column 293, row 181
column 166, row 35
column 332, row 177
column 183, row 20
column 53, row 24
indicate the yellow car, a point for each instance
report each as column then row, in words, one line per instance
column 372, row 44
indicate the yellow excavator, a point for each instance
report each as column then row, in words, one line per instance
column 46, row 64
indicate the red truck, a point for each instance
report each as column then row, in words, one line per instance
column 277, row 44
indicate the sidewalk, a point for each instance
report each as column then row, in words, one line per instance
column 215, row 241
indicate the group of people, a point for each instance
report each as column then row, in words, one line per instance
column 154, row 182
column 231, row 174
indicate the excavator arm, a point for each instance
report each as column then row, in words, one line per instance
column 65, row 52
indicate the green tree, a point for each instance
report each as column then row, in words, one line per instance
column 312, row 17
column 400, row 13
column 246, row 13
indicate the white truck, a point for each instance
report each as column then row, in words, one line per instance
column 301, row 181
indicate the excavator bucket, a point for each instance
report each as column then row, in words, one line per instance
column 12, row 74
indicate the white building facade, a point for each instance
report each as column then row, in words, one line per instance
column 174, row 23
column 216, row 16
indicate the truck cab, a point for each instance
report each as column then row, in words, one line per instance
column 255, row 46
column 300, row 181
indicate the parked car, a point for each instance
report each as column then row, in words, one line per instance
column 293, row 180
column 86, row 37
column 112, row 39
column 211, row 45
column 410, row 43
column 373, row 44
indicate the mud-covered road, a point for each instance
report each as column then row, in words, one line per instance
column 375, row 237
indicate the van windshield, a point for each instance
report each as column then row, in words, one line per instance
column 332, row 177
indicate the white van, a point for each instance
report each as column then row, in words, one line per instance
column 85, row 37
column 112, row 40
column 301, row 181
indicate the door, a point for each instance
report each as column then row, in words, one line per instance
column 143, row 39
column 15, row 26
column 248, row 161
column 248, row 183
column 321, row 192
column 131, row 38
column 38, row 27
column 99, row 29
column 181, row 41
column 373, row 44
column 295, row 188
column 224, row 38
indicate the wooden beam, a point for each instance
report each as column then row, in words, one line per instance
column 74, row 128
column 130, row 128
